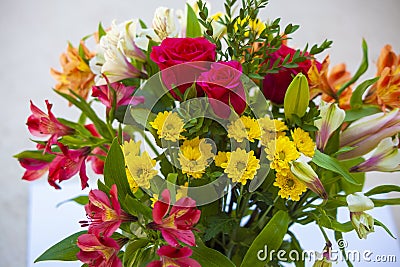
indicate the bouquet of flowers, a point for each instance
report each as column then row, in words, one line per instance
column 216, row 138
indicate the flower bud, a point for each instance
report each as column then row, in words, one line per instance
column 332, row 118
column 366, row 133
column 324, row 259
column 357, row 202
column 304, row 172
column 297, row 97
column 386, row 158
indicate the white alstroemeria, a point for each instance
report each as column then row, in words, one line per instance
column 303, row 171
column 117, row 53
column 118, row 68
column 368, row 132
column 362, row 222
column 385, row 158
column 332, row 118
column 164, row 23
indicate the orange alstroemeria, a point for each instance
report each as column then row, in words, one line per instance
column 329, row 82
column 386, row 92
column 76, row 74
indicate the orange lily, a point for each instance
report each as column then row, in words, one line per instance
column 76, row 74
column 386, row 92
column 328, row 83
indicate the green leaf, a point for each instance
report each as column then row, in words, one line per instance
column 361, row 70
column 297, row 97
column 356, row 98
column 34, row 154
column 355, row 114
column 131, row 249
column 217, row 224
column 384, row 202
column 383, row 189
column 193, row 29
column 82, row 200
column 135, row 207
column 271, row 236
column 101, row 31
column 378, row 223
column 114, row 170
column 332, row 164
column 143, row 116
column 208, row 257
column 65, row 250
column 81, row 103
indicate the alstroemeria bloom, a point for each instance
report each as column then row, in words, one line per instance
column 329, row 84
column 365, row 134
column 104, row 216
column 386, row 91
column 362, row 222
column 123, row 95
column 332, row 118
column 164, row 24
column 76, row 74
column 302, row 171
column 386, row 158
column 41, row 124
column 96, row 251
column 67, row 164
column 172, row 256
column 35, row 168
column 178, row 224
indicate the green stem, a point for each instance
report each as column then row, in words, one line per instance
column 148, row 141
column 260, row 223
column 324, row 234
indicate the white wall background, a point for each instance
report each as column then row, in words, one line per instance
column 34, row 33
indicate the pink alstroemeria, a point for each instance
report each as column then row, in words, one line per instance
column 104, row 216
column 41, row 124
column 366, row 134
column 122, row 93
column 179, row 223
column 172, row 256
column 35, row 168
column 67, row 164
column 98, row 252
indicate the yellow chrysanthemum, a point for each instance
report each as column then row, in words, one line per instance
column 169, row 126
column 280, row 152
column 132, row 183
column 182, row 191
column 271, row 129
column 256, row 25
column 141, row 169
column 244, row 128
column 303, row 142
column 220, row 158
column 131, row 148
column 290, row 186
column 241, row 165
column 194, row 157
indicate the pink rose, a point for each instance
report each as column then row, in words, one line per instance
column 176, row 51
column 222, row 84
column 276, row 84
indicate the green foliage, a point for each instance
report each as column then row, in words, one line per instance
column 192, row 24
column 65, row 250
column 271, row 236
column 208, row 257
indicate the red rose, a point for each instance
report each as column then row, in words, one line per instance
column 276, row 84
column 222, row 84
column 177, row 51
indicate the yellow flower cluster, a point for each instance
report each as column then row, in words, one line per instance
column 139, row 167
column 194, row 157
column 244, row 128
